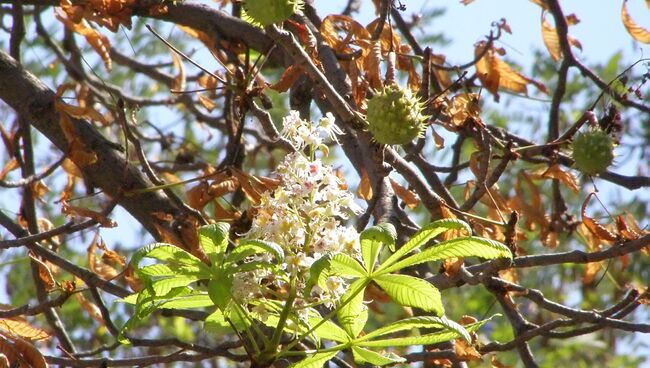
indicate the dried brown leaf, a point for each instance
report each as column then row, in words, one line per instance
column 555, row 172
column 19, row 326
column 178, row 83
column 85, row 212
column 44, row 273
column 10, row 166
column 465, row 351
column 288, row 78
column 21, row 353
column 91, row 308
column 409, row 197
column 96, row 39
column 365, row 187
column 598, row 230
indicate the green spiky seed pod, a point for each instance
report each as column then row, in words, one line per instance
column 593, row 152
column 396, row 116
column 266, row 12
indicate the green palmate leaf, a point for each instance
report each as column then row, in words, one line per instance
column 219, row 291
column 249, row 247
column 214, row 241
column 427, row 339
column 353, row 315
column 470, row 246
column 411, row 291
column 157, row 270
column 188, row 301
column 344, row 265
column 318, row 273
column 216, row 323
column 315, row 361
column 425, row 234
column 418, row 322
column 373, row 239
column 171, row 254
column 256, row 265
column 329, row 330
column 164, row 286
column 362, row 355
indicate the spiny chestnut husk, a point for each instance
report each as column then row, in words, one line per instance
column 267, row 12
column 593, row 151
column 396, row 116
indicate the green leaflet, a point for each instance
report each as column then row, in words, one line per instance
column 164, row 286
column 315, row 361
column 470, row 246
column 427, row 339
column 214, row 241
column 318, row 273
column 329, row 330
column 362, row 355
column 425, row 234
column 173, row 255
column 373, row 239
column 411, row 291
column 219, row 291
column 353, row 315
column 250, row 247
column 418, row 322
column 190, row 301
column 344, row 265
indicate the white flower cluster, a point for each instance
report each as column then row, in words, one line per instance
column 303, row 215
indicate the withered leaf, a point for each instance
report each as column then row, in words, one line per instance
column 365, row 187
column 633, row 28
column 96, row 39
column 19, row 326
column 85, row 212
column 409, row 197
column 598, row 230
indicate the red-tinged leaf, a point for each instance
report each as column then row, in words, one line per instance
column 365, row 187
column 85, row 212
column 132, row 279
column 625, row 231
column 634, row 29
column 354, row 33
column 103, row 270
column 572, row 19
column 598, row 230
column 438, row 139
column 410, row 198
column 289, row 77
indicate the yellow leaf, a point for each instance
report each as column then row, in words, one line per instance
column 19, row 326
column 635, row 30
column 552, row 40
column 541, row 3
column 178, row 83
